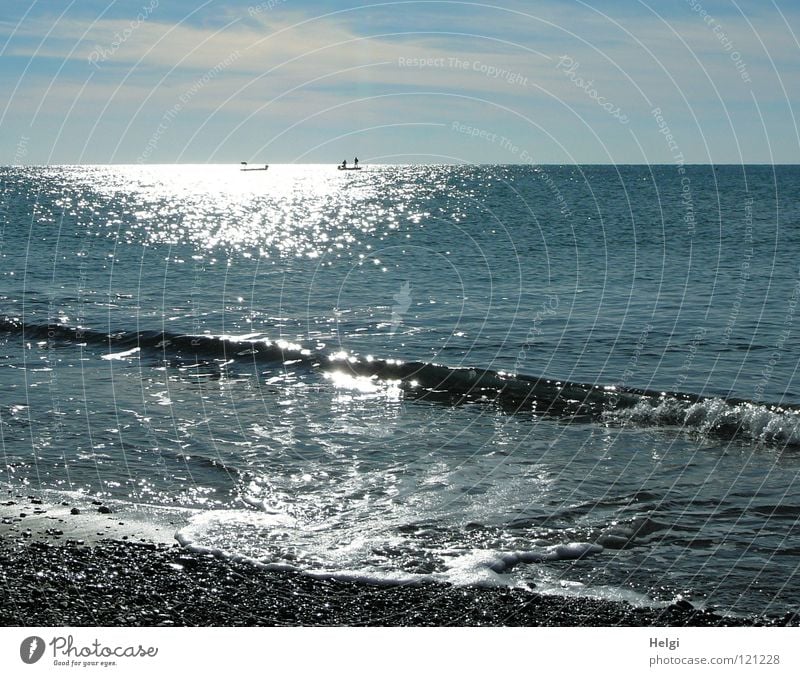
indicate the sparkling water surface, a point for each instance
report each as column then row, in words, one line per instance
column 628, row 278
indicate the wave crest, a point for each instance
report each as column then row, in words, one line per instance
column 576, row 402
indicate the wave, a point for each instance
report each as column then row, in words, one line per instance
column 577, row 402
column 715, row 417
column 195, row 348
column 258, row 539
column 210, row 533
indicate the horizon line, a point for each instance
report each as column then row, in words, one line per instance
column 407, row 164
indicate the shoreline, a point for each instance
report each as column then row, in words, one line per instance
column 126, row 584
column 85, row 520
column 134, row 580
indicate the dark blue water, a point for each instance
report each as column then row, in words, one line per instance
column 577, row 379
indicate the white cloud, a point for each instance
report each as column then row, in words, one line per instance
column 289, row 67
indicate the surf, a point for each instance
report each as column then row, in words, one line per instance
column 726, row 418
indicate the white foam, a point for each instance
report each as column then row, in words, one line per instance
column 601, row 592
column 198, row 535
column 273, row 541
column 474, row 567
column 260, row 504
column 716, row 416
column 121, row 355
column 201, row 523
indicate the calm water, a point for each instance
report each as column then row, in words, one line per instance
column 614, row 410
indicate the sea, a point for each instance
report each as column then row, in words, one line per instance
column 577, row 380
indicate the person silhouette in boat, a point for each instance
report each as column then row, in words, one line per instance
column 355, row 162
column 344, row 164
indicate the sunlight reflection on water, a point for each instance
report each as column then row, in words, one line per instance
column 289, row 210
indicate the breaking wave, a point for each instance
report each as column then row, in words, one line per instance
column 577, row 402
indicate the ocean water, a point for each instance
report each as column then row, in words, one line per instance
column 577, row 380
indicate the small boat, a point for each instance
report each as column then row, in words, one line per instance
column 341, row 168
column 246, row 168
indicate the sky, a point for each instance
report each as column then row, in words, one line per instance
column 302, row 81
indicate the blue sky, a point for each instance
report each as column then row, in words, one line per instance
column 304, row 81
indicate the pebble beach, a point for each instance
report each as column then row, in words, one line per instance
column 128, row 576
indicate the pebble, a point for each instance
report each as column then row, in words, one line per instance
column 122, row 583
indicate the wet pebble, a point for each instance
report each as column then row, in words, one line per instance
column 123, row 583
